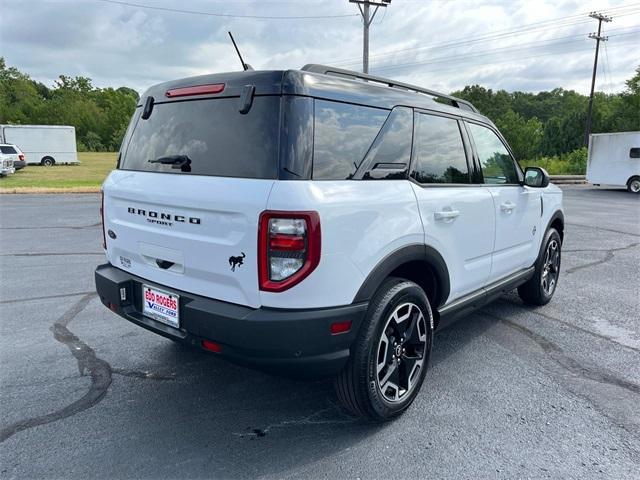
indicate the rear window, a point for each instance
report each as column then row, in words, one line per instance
column 212, row 133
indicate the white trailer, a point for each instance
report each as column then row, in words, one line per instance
column 43, row 144
column 614, row 159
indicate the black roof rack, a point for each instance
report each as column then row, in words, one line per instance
column 339, row 72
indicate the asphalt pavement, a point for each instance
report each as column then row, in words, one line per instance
column 512, row 392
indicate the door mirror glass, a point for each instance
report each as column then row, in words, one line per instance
column 536, row 177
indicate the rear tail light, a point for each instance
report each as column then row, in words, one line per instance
column 21, row 157
column 288, row 248
column 104, row 237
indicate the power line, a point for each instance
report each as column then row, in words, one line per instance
column 484, row 53
column 559, row 22
column 225, row 15
column 483, row 64
column 470, row 41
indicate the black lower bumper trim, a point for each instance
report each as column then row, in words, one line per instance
column 294, row 342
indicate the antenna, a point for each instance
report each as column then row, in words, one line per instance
column 245, row 66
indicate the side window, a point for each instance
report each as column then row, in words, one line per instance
column 498, row 167
column 8, row 150
column 388, row 158
column 343, row 134
column 438, row 153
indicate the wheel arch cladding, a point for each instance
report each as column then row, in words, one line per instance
column 557, row 221
column 419, row 263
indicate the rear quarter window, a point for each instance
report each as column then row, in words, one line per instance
column 8, row 150
column 212, row 133
column 343, row 134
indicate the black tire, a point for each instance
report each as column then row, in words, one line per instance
column 358, row 385
column 534, row 291
column 47, row 162
column 633, row 185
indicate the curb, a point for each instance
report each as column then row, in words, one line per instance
column 568, row 179
column 43, row 190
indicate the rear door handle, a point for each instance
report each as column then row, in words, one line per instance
column 507, row 207
column 446, row 215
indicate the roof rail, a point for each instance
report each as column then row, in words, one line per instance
column 339, row 72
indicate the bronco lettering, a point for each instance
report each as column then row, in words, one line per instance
column 151, row 215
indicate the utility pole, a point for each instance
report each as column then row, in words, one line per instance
column 598, row 38
column 367, row 19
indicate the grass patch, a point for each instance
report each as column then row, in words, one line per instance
column 88, row 176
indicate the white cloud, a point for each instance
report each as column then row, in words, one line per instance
column 119, row 45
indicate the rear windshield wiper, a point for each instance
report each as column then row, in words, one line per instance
column 176, row 161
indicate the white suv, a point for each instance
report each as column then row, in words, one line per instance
column 320, row 222
column 10, row 155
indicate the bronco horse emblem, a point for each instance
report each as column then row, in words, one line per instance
column 236, row 261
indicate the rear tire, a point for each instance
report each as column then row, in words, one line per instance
column 633, row 185
column 47, row 162
column 390, row 356
column 540, row 288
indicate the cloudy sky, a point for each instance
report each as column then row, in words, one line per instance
column 442, row 44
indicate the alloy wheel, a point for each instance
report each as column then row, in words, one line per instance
column 551, row 267
column 401, row 352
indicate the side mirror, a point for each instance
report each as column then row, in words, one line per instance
column 536, row 177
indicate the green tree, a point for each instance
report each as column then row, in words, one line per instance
column 524, row 136
column 100, row 116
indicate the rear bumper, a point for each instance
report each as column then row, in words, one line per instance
column 291, row 342
column 19, row 164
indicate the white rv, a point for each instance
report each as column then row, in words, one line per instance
column 43, row 144
column 614, row 159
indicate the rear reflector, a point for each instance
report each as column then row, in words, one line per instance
column 340, row 327
column 195, row 90
column 113, row 307
column 211, row 346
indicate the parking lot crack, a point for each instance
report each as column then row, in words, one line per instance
column 609, row 254
column 315, row 418
column 591, row 227
column 56, row 227
column 142, row 374
column 571, row 365
column 46, row 297
column 588, row 332
column 88, row 363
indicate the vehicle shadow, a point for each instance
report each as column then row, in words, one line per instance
column 225, row 420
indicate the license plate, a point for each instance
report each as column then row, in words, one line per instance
column 161, row 306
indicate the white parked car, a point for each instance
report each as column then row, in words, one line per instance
column 14, row 153
column 320, row 222
column 9, row 156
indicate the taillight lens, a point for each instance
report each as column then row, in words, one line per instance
column 21, row 157
column 288, row 248
column 104, row 237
